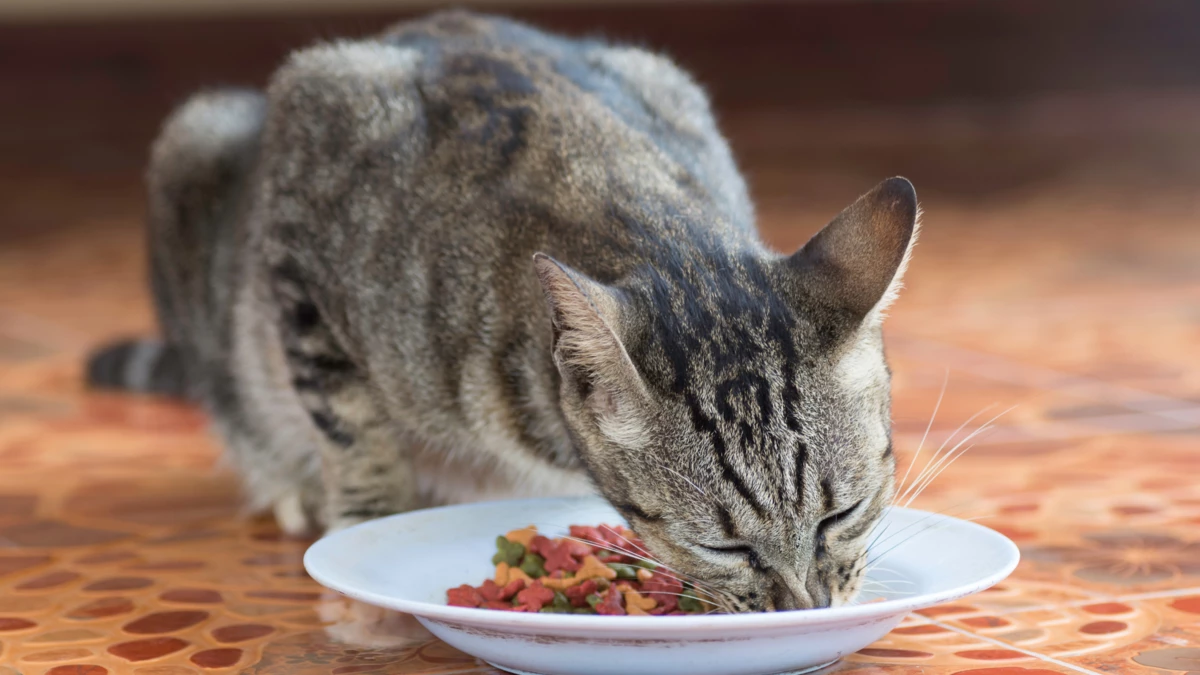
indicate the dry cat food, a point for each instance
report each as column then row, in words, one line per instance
column 596, row 570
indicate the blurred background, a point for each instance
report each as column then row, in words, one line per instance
column 1053, row 144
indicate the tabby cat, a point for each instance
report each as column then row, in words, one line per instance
column 467, row 260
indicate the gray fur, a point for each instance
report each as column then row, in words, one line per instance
column 347, row 263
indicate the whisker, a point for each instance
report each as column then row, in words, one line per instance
column 937, row 406
column 927, row 528
column 950, row 457
column 685, row 478
column 927, row 516
column 888, row 580
column 925, row 470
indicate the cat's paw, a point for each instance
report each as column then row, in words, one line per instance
column 292, row 517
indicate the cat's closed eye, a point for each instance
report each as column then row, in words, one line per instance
column 836, row 518
column 744, row 552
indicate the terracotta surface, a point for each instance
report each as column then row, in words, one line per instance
column 1057, row 282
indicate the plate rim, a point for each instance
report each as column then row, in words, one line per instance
column 518, row 621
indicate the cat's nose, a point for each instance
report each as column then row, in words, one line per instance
column 792, row 593
column 819, row 592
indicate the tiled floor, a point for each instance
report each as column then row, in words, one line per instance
column 1073, row 299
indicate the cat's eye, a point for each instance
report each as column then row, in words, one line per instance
column 834, row 519
column 744, row 552
column 829, row 521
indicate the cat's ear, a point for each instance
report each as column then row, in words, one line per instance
column 585, row 317
column 855, row 265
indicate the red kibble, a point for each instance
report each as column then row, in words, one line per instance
column 577, row 549
column 662, row 583
column 587, row 533
column 490, row 591
column 578, row 594
column 535, row 597
column 498, row 604
column 464, row 596
column 610, row 534
column 541, row 545
column 559, row 558
column 665, row 590
column 513, row 587
column 611, row 603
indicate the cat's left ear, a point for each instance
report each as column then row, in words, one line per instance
column 854, row 267
column 586, row 318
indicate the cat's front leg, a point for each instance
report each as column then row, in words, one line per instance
column 366, row 472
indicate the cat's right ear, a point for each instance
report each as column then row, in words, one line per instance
column 855, row 265
column 585, row 318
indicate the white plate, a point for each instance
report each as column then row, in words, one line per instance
column 406, row 562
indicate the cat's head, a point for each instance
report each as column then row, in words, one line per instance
column 736, row 409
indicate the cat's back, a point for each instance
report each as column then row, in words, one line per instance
column 460, row 106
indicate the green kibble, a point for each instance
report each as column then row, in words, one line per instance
column 508, row 552
column 583, row 610
column 602, row 584
column 690, row 603
column 646, row 565
column 593, row 600
column 560, row 604
column 555, row 609
column 624, row 571
column 533, row 565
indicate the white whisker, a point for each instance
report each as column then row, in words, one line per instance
column 933, row 460
column 952, row 456
column 927, row 528
column 685, row 478
column 937, row 406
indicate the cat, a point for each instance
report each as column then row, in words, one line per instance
column 466, row 259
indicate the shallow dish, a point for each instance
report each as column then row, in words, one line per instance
column 406, row 562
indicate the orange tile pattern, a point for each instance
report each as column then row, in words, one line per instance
column 123, row 548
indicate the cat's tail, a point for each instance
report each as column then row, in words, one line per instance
column 139, row 366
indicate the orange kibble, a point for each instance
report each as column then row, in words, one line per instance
column 592, row 568
column 644, row 575
column 635, row 600
column 561, row 584
column 522, row 536
column 506, row 574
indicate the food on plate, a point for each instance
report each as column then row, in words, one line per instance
column 601, row 569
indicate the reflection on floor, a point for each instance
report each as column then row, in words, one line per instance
column 1073, row 295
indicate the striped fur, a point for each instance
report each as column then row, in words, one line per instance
column 142, row 366
column 468, row 260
